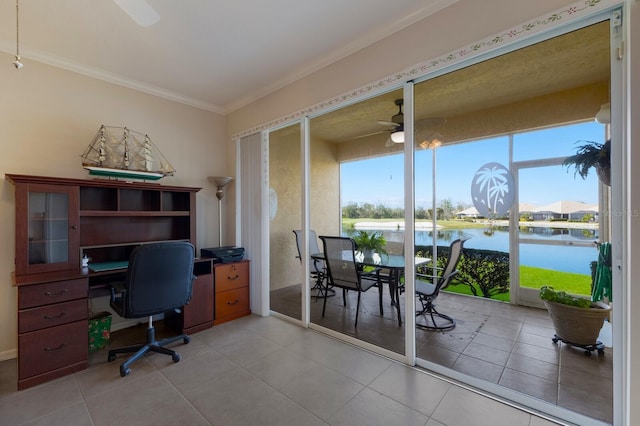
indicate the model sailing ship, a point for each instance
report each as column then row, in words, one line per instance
column 127, row 154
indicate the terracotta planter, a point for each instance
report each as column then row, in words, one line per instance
column 575, row 325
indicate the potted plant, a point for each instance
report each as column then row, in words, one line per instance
column 592, row 154
column 370, row 242
column 577, row 320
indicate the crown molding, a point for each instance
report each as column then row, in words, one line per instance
column 58, row 62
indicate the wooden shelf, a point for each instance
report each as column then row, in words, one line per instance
column 102, row 213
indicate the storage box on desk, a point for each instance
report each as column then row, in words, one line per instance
column 99, row 331
column 227, row 254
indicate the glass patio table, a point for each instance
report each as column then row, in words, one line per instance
column 392, row 262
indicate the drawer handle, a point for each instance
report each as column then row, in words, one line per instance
column 233, row 278
column 49, row 317
column 57, row 348
column 57, row 293
column 233, row 303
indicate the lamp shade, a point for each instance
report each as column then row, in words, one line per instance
column 220, row 181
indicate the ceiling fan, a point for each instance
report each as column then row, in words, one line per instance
column 424, row 134
column 140, row 11
column 396, row 123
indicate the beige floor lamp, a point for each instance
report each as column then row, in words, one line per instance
column 219, row 182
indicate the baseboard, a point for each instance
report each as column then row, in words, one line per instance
column 10, row 354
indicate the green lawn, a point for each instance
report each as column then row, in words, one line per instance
column 567, row 281
column 537, row 277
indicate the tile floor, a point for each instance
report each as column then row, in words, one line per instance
column 497, row 342
column 252, row 371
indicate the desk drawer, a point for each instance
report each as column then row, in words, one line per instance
column 30, row 296
column 52, row 315
column 55, row 347
column 232, row 303
column 232, row 275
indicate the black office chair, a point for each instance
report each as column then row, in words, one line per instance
column 428, row 291
column 344, row 273
column 159, row 279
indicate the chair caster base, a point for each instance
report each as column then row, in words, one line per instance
column 448, row 322
column 124, row 371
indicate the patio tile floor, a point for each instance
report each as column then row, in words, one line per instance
column 494, row 341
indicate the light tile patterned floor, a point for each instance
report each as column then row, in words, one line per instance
column 494, row 341
column 252, row 371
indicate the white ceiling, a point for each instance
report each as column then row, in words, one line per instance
column 218, row 55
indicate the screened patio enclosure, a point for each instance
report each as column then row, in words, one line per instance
column 492, row 111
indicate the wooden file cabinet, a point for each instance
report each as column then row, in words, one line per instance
column 52, row 329
column 197, row 315
column 232, row 291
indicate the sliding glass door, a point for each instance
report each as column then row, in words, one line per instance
column 286, row 275
column 356, row 191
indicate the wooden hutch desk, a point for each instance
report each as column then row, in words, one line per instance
column 60, row 220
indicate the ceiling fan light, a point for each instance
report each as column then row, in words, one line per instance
column 397, row 137
column 604, row 115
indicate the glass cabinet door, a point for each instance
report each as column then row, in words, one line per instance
column 47, row 222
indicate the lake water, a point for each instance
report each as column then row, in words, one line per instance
column 559, row 258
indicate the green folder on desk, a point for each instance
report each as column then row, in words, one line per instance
column 108, row 266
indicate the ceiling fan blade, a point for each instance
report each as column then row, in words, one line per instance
column 371, row 134
column 389, row 143
column 387, row 123
column 140, row 11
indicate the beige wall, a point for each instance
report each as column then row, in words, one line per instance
column 284, row 179
column 324, row 189
column 48, row 116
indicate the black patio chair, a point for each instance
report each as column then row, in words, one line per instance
column 343, row 271
column 428, row 288
column 393, row 248
column 318, row 271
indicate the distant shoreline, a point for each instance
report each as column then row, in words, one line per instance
column 545, row 224
column 399, row 224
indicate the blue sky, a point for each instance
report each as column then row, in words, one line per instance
column 380, row 180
